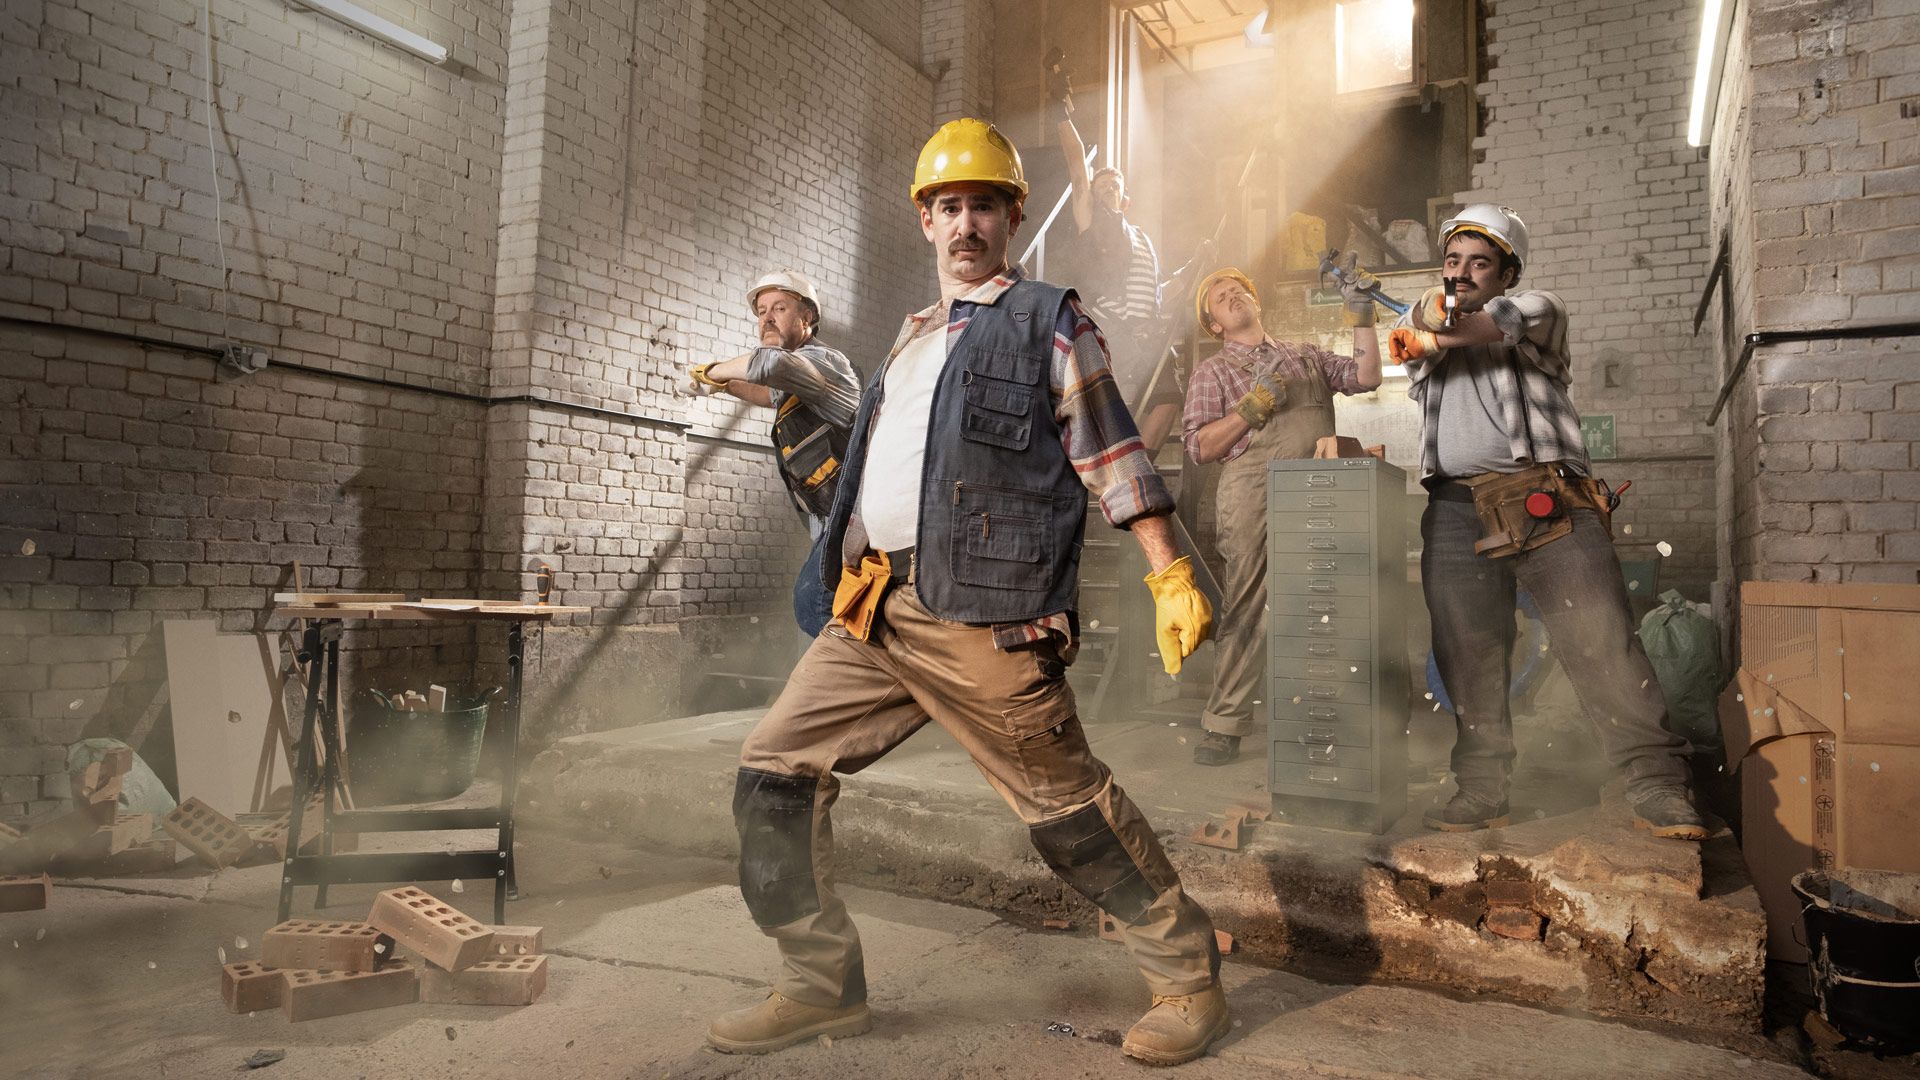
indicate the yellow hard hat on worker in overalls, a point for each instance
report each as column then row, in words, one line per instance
column 1206, row 285
column 969, row 149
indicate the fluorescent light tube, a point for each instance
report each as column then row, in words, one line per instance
column 386, row 30
column 1706, row 71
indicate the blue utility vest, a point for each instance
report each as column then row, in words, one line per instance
column 1002, row 511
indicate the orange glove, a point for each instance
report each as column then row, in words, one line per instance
column 1406, row 344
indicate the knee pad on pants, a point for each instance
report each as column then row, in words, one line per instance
column 1087, row 854
column 774, row 816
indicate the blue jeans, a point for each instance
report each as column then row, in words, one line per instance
column 812, row 603
column 1576, row 581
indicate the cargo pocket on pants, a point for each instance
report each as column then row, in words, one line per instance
column 1050, row 746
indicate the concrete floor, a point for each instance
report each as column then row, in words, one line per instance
column 121, row 978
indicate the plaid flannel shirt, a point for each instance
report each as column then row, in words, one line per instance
column 1225, row 378
column 1546, row 427
column 1097, row 432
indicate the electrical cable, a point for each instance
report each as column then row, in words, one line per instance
column 213, row 168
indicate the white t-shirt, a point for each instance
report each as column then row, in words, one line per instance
column 897, row 444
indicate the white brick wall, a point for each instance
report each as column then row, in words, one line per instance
column 1586, row 138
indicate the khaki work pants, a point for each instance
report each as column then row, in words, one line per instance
column 1240, row 506
column 850, row 702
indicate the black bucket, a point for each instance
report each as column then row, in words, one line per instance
column 1863, row 941
column 397, row 756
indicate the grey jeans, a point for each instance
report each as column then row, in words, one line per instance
column 1582, row 596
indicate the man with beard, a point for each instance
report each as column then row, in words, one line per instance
column 814, row 393
column 958, row 529
column 1492, row 389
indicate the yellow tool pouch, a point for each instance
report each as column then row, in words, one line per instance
column 1521, row 511
column 856, row 600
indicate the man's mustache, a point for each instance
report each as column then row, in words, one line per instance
column 966, row 243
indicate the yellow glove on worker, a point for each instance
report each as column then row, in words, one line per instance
column 1406, row 344
column 1259, row 403
column 699, row 382
column 1182, row 618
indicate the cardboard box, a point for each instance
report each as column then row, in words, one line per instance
column 1827, row 748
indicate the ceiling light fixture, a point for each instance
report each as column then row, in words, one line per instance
column 384, row 29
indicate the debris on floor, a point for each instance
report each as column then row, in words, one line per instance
column 310, row 968
column 25, row 893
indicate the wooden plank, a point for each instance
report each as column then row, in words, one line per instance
column 444, row 601
column 430, row 612
column 337, row 598
column 221, row 690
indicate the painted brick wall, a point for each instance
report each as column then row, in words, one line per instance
column 568, row 213
column 1586, row 138
column 1817, row 178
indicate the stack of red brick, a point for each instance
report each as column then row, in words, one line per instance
column 311, row 969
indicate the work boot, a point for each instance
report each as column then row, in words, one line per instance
column 1178, row 1029
column 1669, row 813
column 1465, row 813
column 1216, row 749
column 780, row 1022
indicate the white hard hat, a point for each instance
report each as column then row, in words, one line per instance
column 791, row 281
column 1496, row 223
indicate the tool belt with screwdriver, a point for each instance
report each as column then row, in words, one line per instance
column 1522, row 510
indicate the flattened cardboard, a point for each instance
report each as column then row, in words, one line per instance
column 220, row 690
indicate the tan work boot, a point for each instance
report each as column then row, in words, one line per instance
column 1178, row 1029
column 780, row 1022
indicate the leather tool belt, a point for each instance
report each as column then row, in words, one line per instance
column 857, row 599
column 1521, row 511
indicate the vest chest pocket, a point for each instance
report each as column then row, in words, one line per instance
column 997, row 413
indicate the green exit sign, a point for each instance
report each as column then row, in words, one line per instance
column 1323, row 297
column 1597, row 431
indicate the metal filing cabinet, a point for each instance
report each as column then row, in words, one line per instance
column 1337, row 640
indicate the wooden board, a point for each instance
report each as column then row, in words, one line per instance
column 423, row 612
column 221, row 689
column 337, row 598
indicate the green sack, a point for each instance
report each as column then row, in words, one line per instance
column 1684, row 645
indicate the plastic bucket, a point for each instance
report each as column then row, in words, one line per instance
column 1863, row 944
column 396, row 756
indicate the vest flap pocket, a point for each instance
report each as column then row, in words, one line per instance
column 1000, row 397
column 1005, row 536
column 1002, row 538
column 1000, row 364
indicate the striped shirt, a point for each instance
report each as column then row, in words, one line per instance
column 1545, row 427
column 1097, row 433
column 1225, row 378
column 1118, row 268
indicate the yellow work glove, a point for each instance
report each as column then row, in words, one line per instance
column 1406, row 344
column 1182, row 618
column 1431, row 312
column 1356, row 287
column 1257, row 405
column 700, row 383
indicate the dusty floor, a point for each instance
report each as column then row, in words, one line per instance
column 122, row 979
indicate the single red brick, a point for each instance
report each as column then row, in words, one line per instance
column 430, row 929
column 310, row 995
column 490, row 982
column 517, row 941
column 1224, row 941
column 25, row 893
column 207, row 833
column 327, row 946
column 251, row 986
column 1517, row 923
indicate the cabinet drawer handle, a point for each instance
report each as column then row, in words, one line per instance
column 1317, row 738
column 1315, row 648
column 1320, row 480
column 1320, row 629
column 1324, row 693
column 1323, row 776
column 1322, row 754
column 1321, row 564
column 1322, row 543
column 1320, row 502
column 1320, row 523
column 1322, row 607
column 1320, row 585
column 1324, row 671
column 1315, row 712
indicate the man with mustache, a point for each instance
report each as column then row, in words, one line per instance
column 1492, row 390
column 958, row 529
column 813, row 392
column 1255, row 401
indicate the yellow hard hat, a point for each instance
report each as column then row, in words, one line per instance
column 969, row 149
column 1207, row 283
